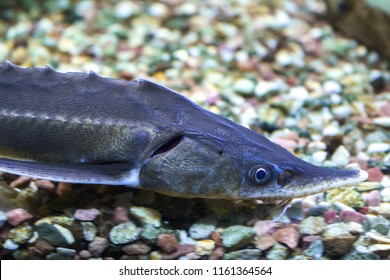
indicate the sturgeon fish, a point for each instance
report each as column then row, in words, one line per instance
column 87, row 129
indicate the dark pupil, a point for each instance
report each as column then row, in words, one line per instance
column 260, row 174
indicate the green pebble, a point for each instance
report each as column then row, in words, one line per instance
column 380, row 224
column 245, row 254
column 124, row 233
column 89, row 230
column 203, row 228
column 355, row 255
column 312, row 225
column 236, row 237
column 277, row 252
column 55, row 234
column 21, row 234
column 315, row 250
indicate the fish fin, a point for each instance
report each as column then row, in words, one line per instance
column 110, row 173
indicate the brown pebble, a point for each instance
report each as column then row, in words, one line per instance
column 288, row 236
column 21, row 182
column 85, row 254
column 339, row 245
column 137, row 248
column 182, row 249
column 44, row 246
column 374, row 174
column 63, row 188
column 98, row 245
column 45, row 184
column 121, row 215
column 264, row 241
column 266, row 226
column 167, row 242
column 217, row 238
column 217, row 254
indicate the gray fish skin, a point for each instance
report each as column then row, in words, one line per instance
column 83, row 128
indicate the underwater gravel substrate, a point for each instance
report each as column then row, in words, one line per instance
column 278, row 68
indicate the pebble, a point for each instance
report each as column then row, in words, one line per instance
column 86, row 214
column 61, row 220
column 351, row 216
column 55, row 234
column 62, row 254
column 245, row 254
column 264, row 241
column 331, row 87
column 137, row 248
column 203, row 228
column 385, row 194
column 266, row 226
column 289, row 236
column 380, row 249
column 312, row 225
column 382, row 121
column 316, row 211
column 85, row 254
column 373, row 198
column 244, row 86
column 97, row 246
column 374, row 148
column 89, row 230
column 331, row 216
column 17, row 216
column 121, row 215
column 149, row 234
column 167, row 242
column 315, row 250
column 10, row 245
column 346, row 196
column 383, row 209
column 277, row 252
column 217, row 254
column 3, row 219
column 21, row 234
column 354, row 255
column 341, row 156
column 123, row 233
column 182, row 249
column 44, row 246
column 380, row 224
column 236, row 237
column 337, row 239
column 146, row 215
column 380, row 238
column 375, row 174
column 204, row 247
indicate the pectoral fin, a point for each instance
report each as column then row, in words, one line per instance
column 110, row 173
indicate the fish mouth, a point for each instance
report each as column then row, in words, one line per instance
column 340, row 178
column 326, row 185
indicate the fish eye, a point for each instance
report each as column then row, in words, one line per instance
column 260, row 174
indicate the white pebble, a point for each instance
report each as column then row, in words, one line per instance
column 10, row 245
column 331, row 86
column 299, row 93
column 319, row 157
column 341, row 156
column 382, row 121
column 378, row 148
column 385, row 193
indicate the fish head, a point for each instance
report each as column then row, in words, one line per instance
column 246, row 168
column 272, row 173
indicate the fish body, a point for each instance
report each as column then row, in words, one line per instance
column 83, row 128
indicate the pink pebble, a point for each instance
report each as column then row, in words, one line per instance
column 351, row 216
column 374, row 174
column 331, row 216
column 17, row 216
column 86, row 214
column 373, row 198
